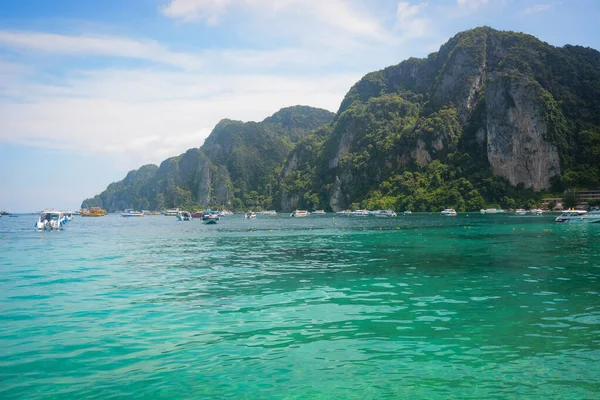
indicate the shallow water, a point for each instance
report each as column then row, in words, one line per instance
column 323, row 307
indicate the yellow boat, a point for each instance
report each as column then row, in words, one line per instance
column 93, row 212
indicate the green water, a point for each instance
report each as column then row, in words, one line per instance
column 421, row 307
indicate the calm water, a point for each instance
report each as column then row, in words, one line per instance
column 420, row 306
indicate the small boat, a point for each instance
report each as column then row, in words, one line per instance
column 184, row 216
column 131, row 213
column 360, row 213
column 491, row 211
column 537, row 211
column 299, row 214
column 319, row 212
column 4, row 212
column 267, row 213
column 147, row 212
column 407, row 212
column 449, row 212
column 250, row 215
column 51, row 221
column 384, row 213
column 210, row 218
column 344, row 212
column 579, row 216
column 93, row 212
column 197, row 215
column 171, row 212
column 520, row 211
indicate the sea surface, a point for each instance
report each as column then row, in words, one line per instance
column 323, row 307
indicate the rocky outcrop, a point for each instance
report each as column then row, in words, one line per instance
column 517, row 148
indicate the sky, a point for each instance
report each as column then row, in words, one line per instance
column 90, row 90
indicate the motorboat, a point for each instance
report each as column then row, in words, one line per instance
column 93, row 212
column 270, row 213
column 449, row 212
column 210, row 217
column 344, row 212
column 197, row 215
column 491, row 211
column 384, row 213
column 131, row 213
column 537, row 211
column 184, row 216
column 579, row 216
column 520, row 211
column 51, row 220
column 148, row 212
column 299, row 214
column 319, row 212
column 360, row 213
column 171, row 212
column 250, row 215
column 407, row 212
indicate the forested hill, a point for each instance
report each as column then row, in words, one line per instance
column 492, row 119
column 235, row 167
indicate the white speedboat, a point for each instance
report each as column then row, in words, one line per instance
column 491, row 211
column 184, row 216
column 299, row 214
column 51, row 220
column 407, row 212
column 520, row 211
column 319, row 212
column 268, row 213
column 579, row 216
column 131, row 213
column 210, row 217
column 250, row 215
column 360, row 213
column 344, row 212
column 384, row 213
column 449, row 212
column 171, row 212
column 537, row 211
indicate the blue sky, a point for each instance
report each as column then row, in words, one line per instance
column 92, row 89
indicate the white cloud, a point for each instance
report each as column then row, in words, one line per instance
column 145, row 116
column 537, row 8
column 407, row 21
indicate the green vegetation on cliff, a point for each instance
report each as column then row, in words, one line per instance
column 491, row 119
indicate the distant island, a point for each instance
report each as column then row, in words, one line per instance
column 493, row 119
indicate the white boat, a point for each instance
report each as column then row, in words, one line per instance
column 491, row 211
column 407, row 212
column 537, row 211
column 520, row 211
column 69, row 215
column 171, row 212
column 270, row 213
column 51, row 220
column 384, row 213
column 449, row 212
column 250, row 215
column 360, row 213
column 579, row 216
column 210, row 217
column 319, row 212
column 131, row 213
column 344, row 212
column 299, row 214
column 184, row 216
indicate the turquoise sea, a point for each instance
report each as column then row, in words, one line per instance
column 413, row 307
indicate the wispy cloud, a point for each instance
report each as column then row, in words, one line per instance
column 537, row 8
column 409, row 22
column 471, row 3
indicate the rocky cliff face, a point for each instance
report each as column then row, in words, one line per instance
column 517, row 145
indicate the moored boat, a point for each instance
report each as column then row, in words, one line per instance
column 184, row 216
column 384, row 213
column 491, row 211
column 270, row 213
column 171, row 212
column 407, row 212
column 344, row 212
column 299, row 214
column 579, row 216
column 131, row 213
column 250, row 215
column 51, row 220
column 319, row 212
column 449, row 212
column 93, row 212
column 210, row 217
column 537, row 211
column 360, row 213
column 520, row 211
